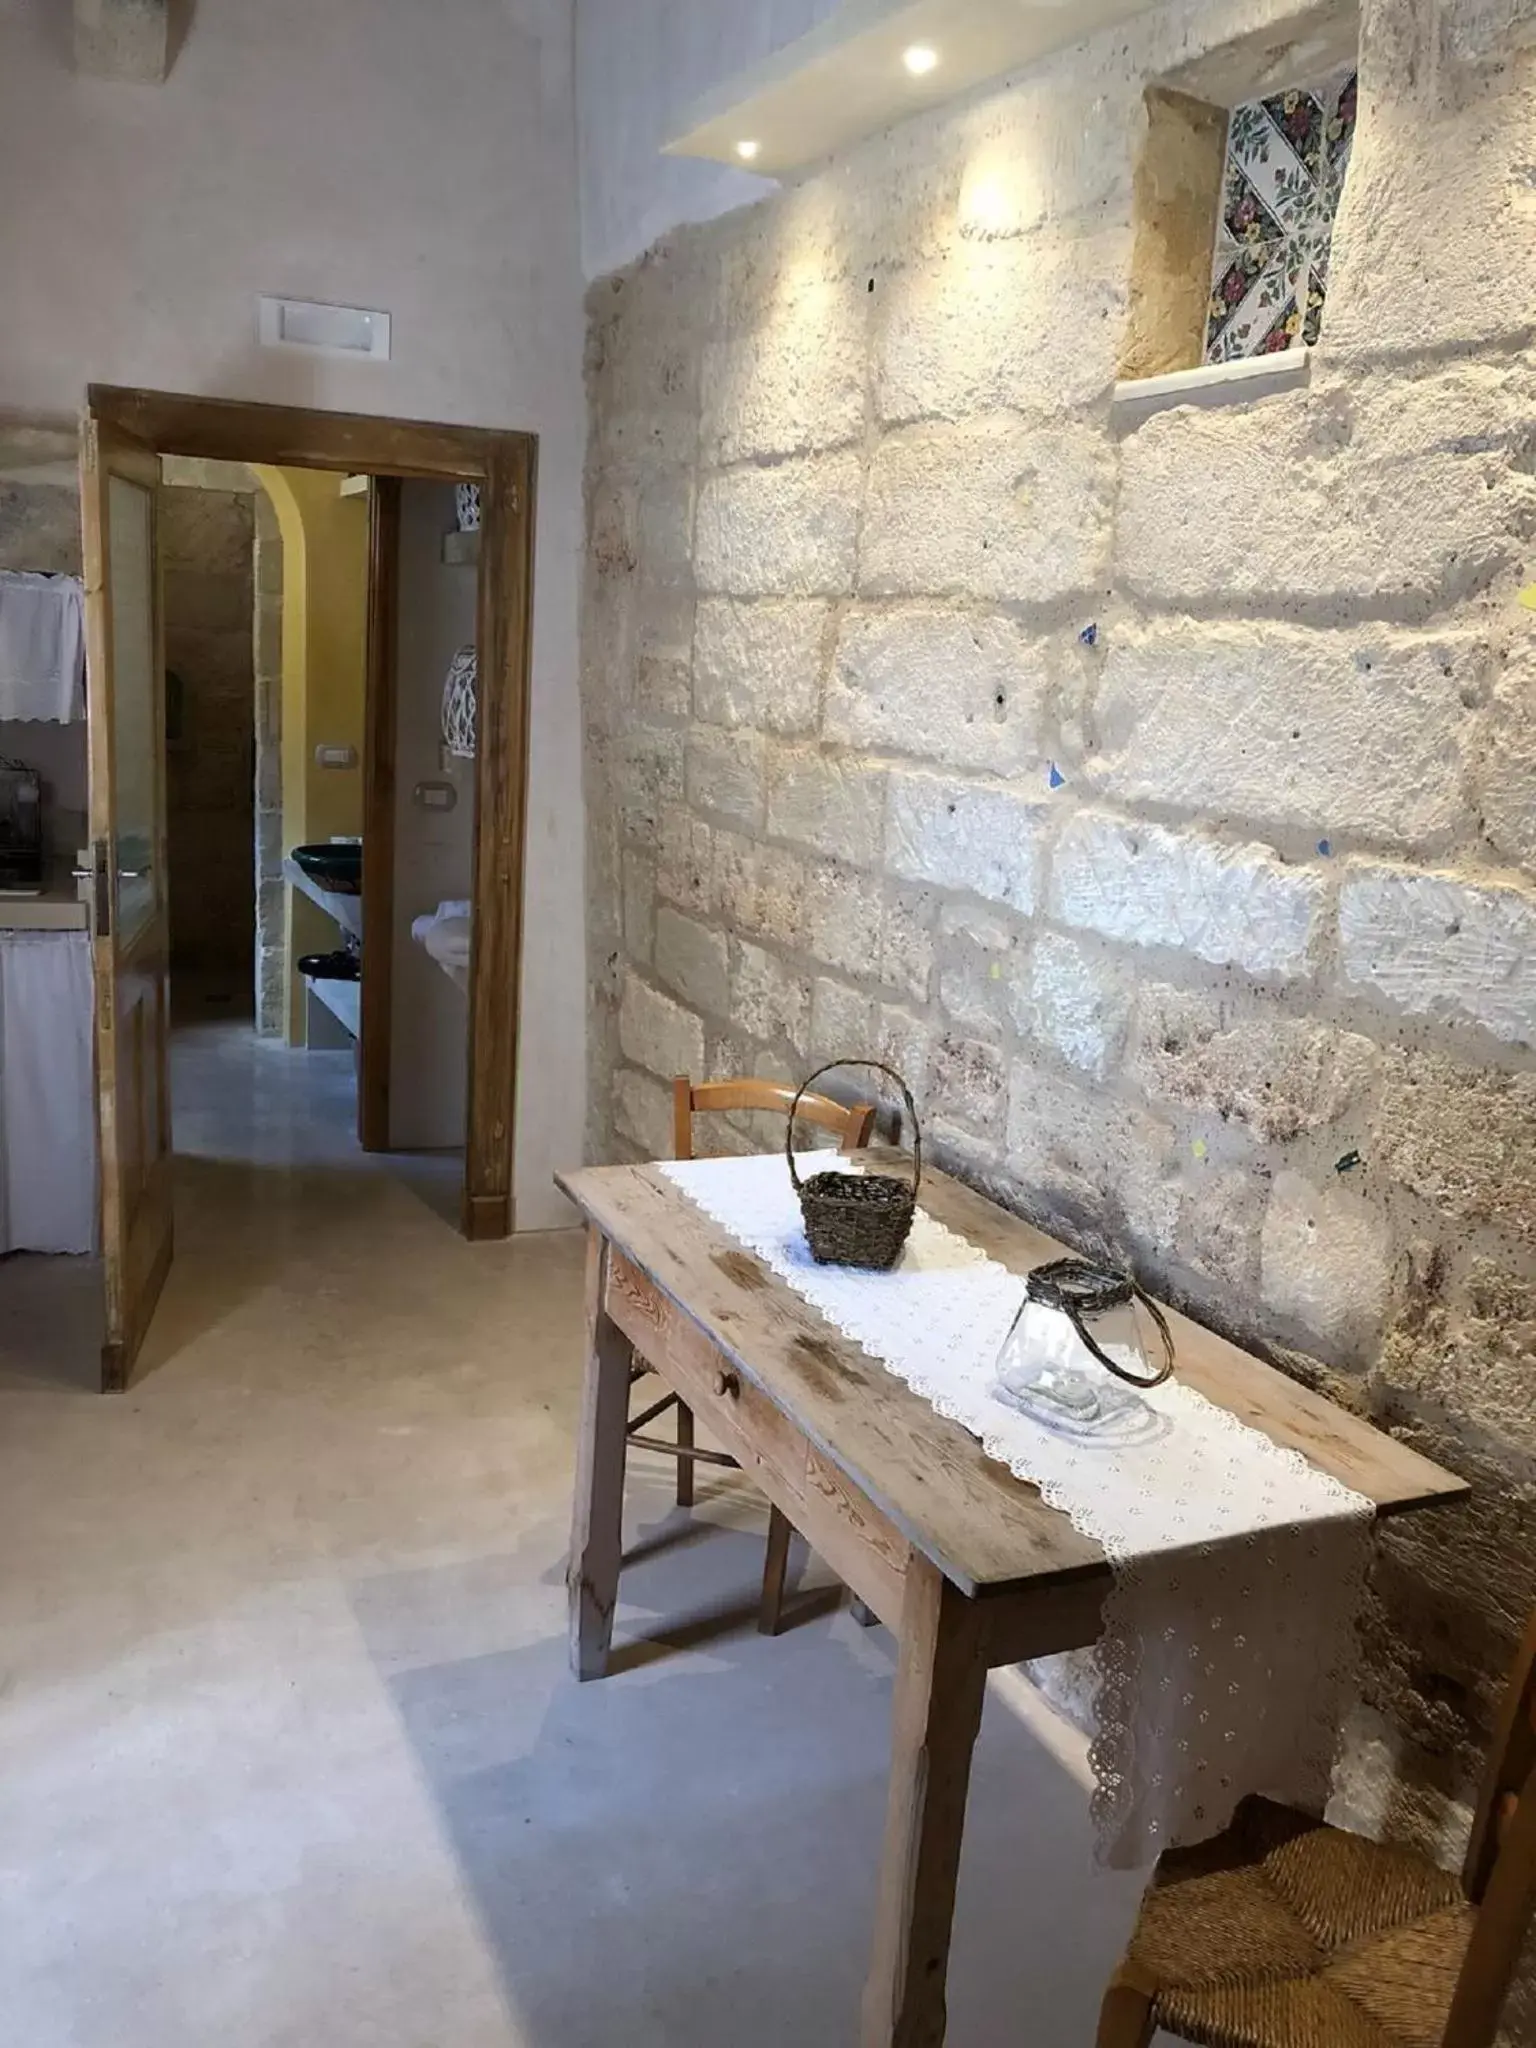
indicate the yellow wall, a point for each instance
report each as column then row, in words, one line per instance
column 325, row 621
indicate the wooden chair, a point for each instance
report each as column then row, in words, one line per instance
column 1286, row 1933
column 852, row 1127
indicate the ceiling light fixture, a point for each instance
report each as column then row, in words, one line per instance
column 920, row 59
column 748, row 151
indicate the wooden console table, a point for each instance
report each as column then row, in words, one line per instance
column 965, row 1563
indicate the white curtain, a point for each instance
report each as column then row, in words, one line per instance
column 47, row 1093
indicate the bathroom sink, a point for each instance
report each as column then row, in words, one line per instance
column 333, row 864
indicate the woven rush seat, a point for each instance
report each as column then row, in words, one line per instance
column 1286, row 1933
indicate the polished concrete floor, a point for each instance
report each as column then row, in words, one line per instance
column 288, row 1751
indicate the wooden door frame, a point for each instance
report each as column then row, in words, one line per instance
column 505, row 465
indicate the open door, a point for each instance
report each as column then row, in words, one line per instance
column 119, row 479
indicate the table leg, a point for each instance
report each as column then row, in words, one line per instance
column 597, row 1541
column 941, row 1680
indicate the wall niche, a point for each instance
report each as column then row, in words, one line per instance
column 1237, row 189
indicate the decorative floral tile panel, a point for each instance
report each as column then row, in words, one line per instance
column 1286, row 161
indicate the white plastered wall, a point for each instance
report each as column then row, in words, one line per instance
column 380, row 153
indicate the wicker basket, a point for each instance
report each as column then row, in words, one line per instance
column 857, row 1219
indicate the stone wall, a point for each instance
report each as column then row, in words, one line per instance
column 1157, row 796
column 206, row 547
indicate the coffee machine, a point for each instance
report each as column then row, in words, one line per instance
column 21, row 830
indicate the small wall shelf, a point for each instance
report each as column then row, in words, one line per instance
column 1212, row 384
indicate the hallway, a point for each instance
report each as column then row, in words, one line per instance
column 288, row 1749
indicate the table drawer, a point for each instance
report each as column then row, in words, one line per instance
column 860, row 1543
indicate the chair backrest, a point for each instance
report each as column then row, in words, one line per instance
column 850, row 1124
column 1500, row 1871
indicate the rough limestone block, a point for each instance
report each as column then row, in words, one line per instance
column 956, row 687
column 843, row 1023
column 1220, row 1217
column 787, row 531
column 906, row 942
column 656, row 1033
column 1326, row 1263
column 1447, row 198
column 985, row 964
column 639, row 904
column 693, row 961
column 990, row 508
column 663, row 529
column 1232, row 905
column 662, row 667
column 1104, row 1168
column 791, row 382
column 643, row 359
column 685, row 859
column 1329, row 733
column 769, row 1000
column 648, row 762
column 1438, row 947
column 965, row 835
column 642, row 1112
column 759, row 664
column 905, row 1041
column 725, row 775
column 1394, row 498
column 1505, row 784
column 1032, row 155
column 967, row 1086
column 1078, row 1003
column 1451, row 1594
column 1279, row 1076
column 833, row 806
column 1027, row 325
column 1463, row 1139
column 1473, row 1355
column 838, row 917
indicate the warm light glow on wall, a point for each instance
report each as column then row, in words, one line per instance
column 921, row 59
column 987, row 207
column 748, row 151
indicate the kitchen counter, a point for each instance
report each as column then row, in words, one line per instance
column 57, row 909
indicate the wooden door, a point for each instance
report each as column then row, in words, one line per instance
column 119, row 479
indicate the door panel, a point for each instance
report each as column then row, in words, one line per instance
column 119, row 478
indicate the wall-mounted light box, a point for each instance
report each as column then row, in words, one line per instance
column 324, row 330
column 872, row 63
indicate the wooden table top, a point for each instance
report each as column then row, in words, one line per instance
column 985, row 1529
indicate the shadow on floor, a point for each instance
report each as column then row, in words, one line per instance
column 685, row 1854
column 51, row 1328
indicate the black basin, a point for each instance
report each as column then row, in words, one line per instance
column 334, row 866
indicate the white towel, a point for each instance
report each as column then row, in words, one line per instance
column 42, row 646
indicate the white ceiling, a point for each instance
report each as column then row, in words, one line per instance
column 846, row 78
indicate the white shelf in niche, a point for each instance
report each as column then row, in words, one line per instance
column 1213, row 384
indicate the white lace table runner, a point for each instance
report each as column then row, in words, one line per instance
column 1228, row 1650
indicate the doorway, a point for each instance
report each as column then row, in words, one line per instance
column 461, row 827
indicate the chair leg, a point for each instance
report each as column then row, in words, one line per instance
column 1126, row 2017
column 685, row 1466
column 770, row 1613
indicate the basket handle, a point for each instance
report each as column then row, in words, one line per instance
column 879, row 1068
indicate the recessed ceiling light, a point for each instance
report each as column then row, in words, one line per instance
column 748, row 150
column 920, row 59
